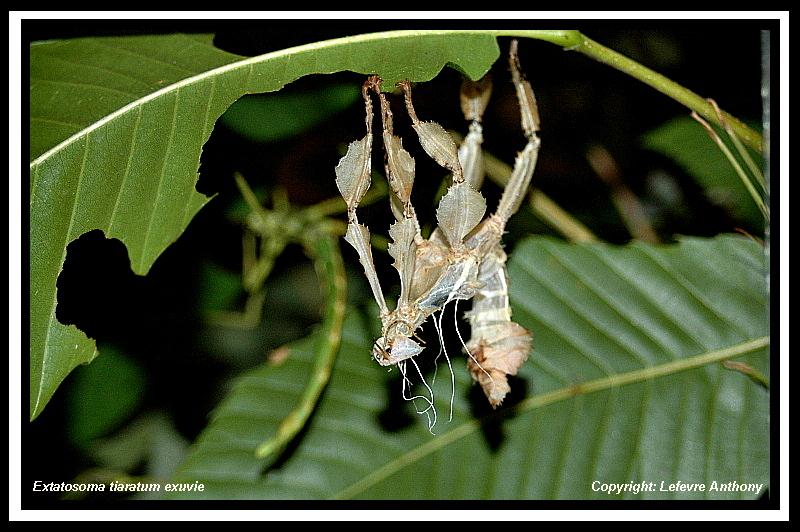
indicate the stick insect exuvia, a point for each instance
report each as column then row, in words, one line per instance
column 463, row 258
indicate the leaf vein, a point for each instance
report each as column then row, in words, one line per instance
column 137, row 55
column 122, row 184
column 635, row 460
column 618, row 309
column 565, row 448
column 692, row 290
column 681, row 418
column 637, row 376
column 97, row 67
column 635, row 284
column 87, row 85
column 583, row 351
column 580, row 311
column 54, row 121
column 712, row 409
column 602, row 434
column 144, row 254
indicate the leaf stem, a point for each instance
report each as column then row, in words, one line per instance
column 644, row 374
column 324, row 249
column 661, row 83
column 547, row 398
column 740, row 149
column 576, row 41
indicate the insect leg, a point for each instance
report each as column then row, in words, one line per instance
column 436, row 142
column 405, row 233
column 474, row 97
column 462, row 207
column 489, row 233
column 525, row 163
column 353, row 178
column 399, row 166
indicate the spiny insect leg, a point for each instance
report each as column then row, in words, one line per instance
column 405, row 233
column 463, row 207
column 353, row 178
column 399, row 165
column 436, row 142
column 489, row 233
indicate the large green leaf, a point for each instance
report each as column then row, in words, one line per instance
column 116, row 129
column 624, row 385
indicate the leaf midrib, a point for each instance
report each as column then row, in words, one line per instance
column 246, row 62
column 537, row 401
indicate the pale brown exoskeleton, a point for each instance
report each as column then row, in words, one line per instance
column 463, row 258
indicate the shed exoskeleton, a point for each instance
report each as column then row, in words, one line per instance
column 463, row 258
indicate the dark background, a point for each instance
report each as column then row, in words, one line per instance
column 157, row 320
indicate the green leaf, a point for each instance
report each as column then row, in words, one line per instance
column 687, row 143
column 274, row 117
column 116, row 129
column 624, row 384
column 103, row 395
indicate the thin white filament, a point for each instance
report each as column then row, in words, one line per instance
column 413, row 399
column 449, row 364
column 430, row 391
column 441, row 348
column 402, row 367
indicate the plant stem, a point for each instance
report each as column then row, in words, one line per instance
column 324, row 249
column 643, row 374
column 751, row 189
column 542, row 206
column 575, row 40
column 547, row 398
column 552, row 214
column 666, row 86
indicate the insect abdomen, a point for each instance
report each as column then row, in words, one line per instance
column 498, row 346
